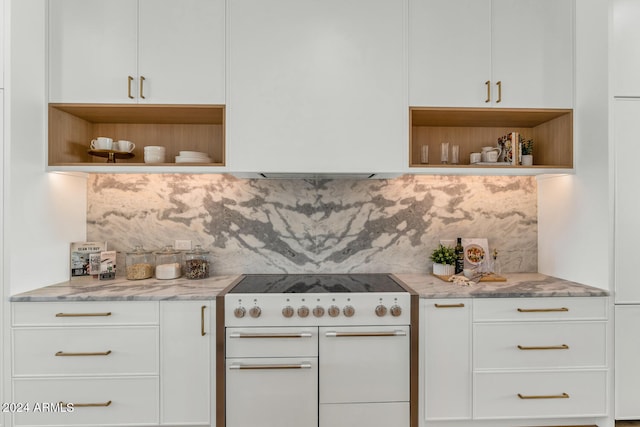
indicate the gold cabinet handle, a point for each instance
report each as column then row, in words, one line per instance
column 552, row 347
column 142, row 79
column 488, row 83
column 129, row 80
column 551, row 396
column 499, row 84
column 87, row 405
column 99, row 353
column 202, row 309
column 460, row 305
column 542, row 310
column 108, row 313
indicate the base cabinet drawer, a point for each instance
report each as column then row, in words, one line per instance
column 85, row 351
column 84, row 313
column 545, row 345
column 540, row 394
column 97, row 401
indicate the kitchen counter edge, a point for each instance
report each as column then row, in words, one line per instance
column 518, row 285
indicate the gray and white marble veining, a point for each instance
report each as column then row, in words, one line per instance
column 293, row 226
column 518, row 285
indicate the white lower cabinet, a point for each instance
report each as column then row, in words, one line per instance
column 114, row 363
column 447, row 359
column 627, row 367
column 515, row 360
column 187, row 362
column 91, row 364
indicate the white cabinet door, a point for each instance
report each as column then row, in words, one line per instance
column 447, row 381
column 626, row 48
column 627, row 206
column 532, row 53
column 187, row 361
column 317, row 86
column 92, row 50
column 181, row 51
column 627, row 369
column 491, row 53
column 129, row 51
column 449, row 52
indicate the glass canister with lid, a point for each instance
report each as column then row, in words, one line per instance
column 197, row 263
column 139, row 263
column 168, row 263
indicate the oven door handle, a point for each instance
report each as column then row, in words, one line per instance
column 274, row 366
column 333, row 334
column 271, row 335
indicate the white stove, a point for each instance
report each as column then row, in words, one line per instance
column 318, row 350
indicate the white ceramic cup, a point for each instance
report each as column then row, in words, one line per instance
column 475, row 158
column 102, row 143
column 492, row 156
column 124, row 145
column 154, row 154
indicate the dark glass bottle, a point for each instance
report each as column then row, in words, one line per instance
column 459, row 250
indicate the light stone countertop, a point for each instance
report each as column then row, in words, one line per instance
column 518, row 285
column 121, row 289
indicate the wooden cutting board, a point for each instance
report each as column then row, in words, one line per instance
column 488, row 278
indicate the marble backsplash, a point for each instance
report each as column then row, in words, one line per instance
column 295, row 226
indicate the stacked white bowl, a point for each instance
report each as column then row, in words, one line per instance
column 154, row 154
column 193, row 157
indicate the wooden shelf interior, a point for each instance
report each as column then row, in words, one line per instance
column 176, row 127
column 472, row 129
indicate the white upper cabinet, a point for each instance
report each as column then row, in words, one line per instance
column 145, row 51
column 317, row 86
column 92, row 50
column 491, row 53
column 626, row 49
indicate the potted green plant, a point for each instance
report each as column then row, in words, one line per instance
column 527, row 152
column 444, row 259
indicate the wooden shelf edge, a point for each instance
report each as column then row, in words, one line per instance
column 483, row 117
column 212, row 114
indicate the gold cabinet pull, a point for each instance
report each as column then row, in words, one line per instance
column 499, row 84
column 142, row 79
column 550, row 396
column 108, row 313
column 542, row 310
column 488, row 83
column 460, row 305
column 99, row 353
column 552, row 347
column 202, row 309
column 87, row 405
column 129, row 80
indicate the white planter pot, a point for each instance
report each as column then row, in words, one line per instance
column 527, row 159
column 444, row 269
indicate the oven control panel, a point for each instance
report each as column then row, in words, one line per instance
column 388, row 308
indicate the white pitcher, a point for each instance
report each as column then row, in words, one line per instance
column 491, row 154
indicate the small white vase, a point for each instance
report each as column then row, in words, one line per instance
column 444, row 269
column 527, row 159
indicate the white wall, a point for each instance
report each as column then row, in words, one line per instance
column 573, row 211
column 44, row 211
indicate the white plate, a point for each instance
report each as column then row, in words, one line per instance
column 182, row 159
column 193, row 154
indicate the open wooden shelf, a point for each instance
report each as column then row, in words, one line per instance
column 176, row 127
column 474, row 128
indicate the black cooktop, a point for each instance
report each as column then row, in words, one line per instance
column 315, row 283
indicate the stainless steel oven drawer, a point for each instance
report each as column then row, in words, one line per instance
column 272, row 342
